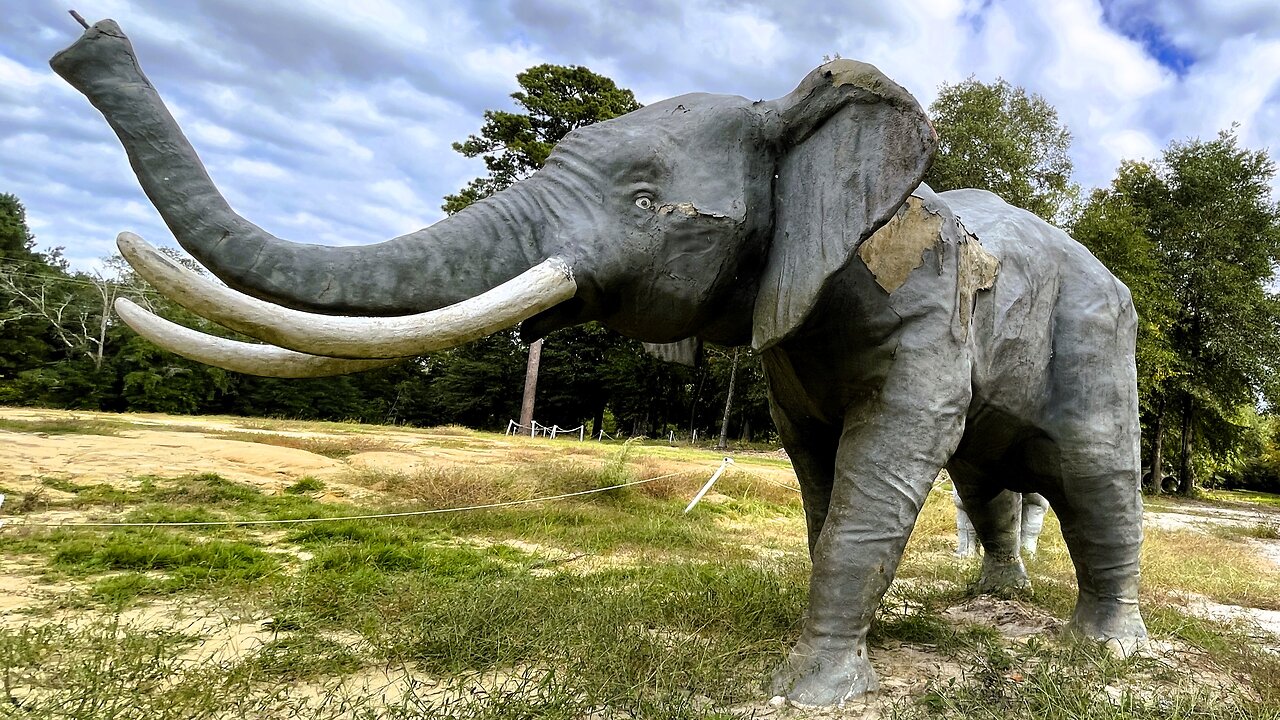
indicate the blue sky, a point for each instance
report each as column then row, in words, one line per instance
column 332, row 122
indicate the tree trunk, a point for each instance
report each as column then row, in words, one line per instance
column 1157, row 452
column 1186, row 483
column 697, row 395
column 530, row 384
column 597, row 421
column 728, row 402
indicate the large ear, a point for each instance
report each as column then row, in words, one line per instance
column 853, row 145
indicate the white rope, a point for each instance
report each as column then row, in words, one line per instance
column 536, row 428
column 296, row 521
column 762, row 478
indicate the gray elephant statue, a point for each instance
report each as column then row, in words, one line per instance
column 901, row 330
column 1031, row 511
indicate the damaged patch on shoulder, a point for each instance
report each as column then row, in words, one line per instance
column 977, row 272
column 899, row 247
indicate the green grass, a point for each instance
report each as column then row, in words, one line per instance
column 610, row 605
column 1243, row 496
column 196, row 498
column 305, row 485
column 300, row 657
column 70, row 426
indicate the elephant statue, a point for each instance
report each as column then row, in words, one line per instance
column 901, row 330
column 1030, row 512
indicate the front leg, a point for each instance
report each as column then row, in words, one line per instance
column 891, row 449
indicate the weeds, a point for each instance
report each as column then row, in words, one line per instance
column 1265, row 530
column 304, row 486
column 69, row 426
column 330, row 447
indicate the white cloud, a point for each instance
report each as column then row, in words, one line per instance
column 333, row 122
column 257, row 169
column 207, row 133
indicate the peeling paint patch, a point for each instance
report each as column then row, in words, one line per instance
column 978, row 271
column 898, row 248
column 687, row 209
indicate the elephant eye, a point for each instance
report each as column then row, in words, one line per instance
column 644, row 202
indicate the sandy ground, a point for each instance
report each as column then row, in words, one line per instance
column 169, row 446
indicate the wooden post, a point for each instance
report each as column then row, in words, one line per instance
column 531, row 383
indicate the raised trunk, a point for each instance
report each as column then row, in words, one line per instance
column 457, row 258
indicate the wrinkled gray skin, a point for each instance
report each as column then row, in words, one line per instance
column 715, row 217
column 1031, row 522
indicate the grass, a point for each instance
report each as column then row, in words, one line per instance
column 1237, row 497
column 69, row 426
column 330, row 447
column 611, row 605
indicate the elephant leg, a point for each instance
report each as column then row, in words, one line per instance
column 814, row 459
column 966, row 537
column 1087, row 465
column 1034, row 507
column 1101, row 516
column 890, row 452
column 996, row 515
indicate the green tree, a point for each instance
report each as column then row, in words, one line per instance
column 26, row 340
column 1114, row 226
column 997, row 137
column 1216, row 231
column 556, row 100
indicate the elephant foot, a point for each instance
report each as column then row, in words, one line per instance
column 1113, row 622
column 1003, row 575
column 824, row 674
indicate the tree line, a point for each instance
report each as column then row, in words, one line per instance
column 1195, row 234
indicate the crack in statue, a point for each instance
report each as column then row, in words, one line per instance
column 968, row 334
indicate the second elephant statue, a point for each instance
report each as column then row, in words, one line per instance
column 1030, row 516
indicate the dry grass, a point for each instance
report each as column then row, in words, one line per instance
column 1228, row 571
column 330, row 447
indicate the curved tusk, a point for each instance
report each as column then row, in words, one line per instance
column 248, row 358
column 536, row 289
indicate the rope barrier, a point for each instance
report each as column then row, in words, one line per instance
column 536, row 428
column 378, row 516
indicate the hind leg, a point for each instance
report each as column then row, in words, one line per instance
column 1088, row 466
column 1034, row 507
column 996, row 515
column 1100, row 509
column 966, row 536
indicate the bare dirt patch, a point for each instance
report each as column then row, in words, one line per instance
column 1204, row 517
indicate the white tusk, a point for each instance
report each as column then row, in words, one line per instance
column 243, row 357
column 536, row 289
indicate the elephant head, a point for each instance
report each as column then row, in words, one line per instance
column 707, row 216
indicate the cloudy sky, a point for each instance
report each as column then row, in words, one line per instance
column 331, row 122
